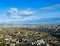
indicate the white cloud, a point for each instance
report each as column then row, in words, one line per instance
column 14, row 13
column 32, row 18
column 16, row 17
column 24, row 15
column 14, row 10
column 28, row 15
column 29, row 18
column 27, row 12
column 50, row 7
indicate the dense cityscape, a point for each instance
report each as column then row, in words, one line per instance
column 30, row 35
column 29, row 22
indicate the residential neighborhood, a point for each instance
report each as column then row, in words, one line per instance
column 29, row 35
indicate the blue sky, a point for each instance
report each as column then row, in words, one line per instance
column 30, row 11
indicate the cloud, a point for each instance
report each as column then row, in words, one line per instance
column 50, row 7
column 14, row 13
column 26, row 12
column 23, row 15
column 29, row 18
column 17, row 15
column 32, row 18
column 13, row 10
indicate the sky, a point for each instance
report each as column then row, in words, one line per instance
column 30, row 11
